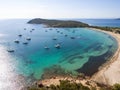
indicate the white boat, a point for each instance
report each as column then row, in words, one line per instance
column 10, row 49
column 72, row 37
column 28, row 38
column 55, row 38
column 25, row 43
column 66, row 35
column 58, row 31
column 46, row 47
column 16, row 41
column 61, row 33
column 20, row 35
column 57, row 46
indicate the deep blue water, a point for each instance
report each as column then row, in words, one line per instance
column 84, row 54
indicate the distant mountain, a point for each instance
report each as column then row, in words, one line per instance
column 58, row 23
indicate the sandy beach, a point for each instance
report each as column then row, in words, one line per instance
column 109, row 73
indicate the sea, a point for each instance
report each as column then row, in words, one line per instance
column 56, row 51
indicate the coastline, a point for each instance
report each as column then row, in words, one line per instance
column 109, row 72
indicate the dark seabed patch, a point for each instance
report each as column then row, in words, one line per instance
column 94, row 63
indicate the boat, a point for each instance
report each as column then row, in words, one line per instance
column 16, row 41
column 61, row 33
column 58, row 31
column 57, row 46
column 46, row 47
column 46, row 31
column 24, row 28
column 72, row 37
column 10, row 49
column 28, row 38
column 20, row 35
column 33, row 29
column 66, row 35
column 55, row 38
column 30, row 30
column 25, row 43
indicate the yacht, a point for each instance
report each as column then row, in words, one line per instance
column 28, row 38
column 10, row 50
column 72, row 37
column 20, row 35
column 61, row 33
column 46, row 47
column 57, row 46
column 16, row 41
column 66, row 35
column 55, row 38
column 25, row 43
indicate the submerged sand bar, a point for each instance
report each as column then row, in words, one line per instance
column 109, row 73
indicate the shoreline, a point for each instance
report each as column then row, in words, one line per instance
column 110, row 69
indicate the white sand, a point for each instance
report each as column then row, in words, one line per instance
column 110, row 72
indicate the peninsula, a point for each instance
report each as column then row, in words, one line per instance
column 58, row 23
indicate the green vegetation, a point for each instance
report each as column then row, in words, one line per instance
column 58, row 23
column 116, row 87
column 64, row 85
column 67, row 85
column 111, row 29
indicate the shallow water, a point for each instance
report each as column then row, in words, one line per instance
column 85, row 53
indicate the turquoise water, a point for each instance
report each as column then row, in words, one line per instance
column 84, row 54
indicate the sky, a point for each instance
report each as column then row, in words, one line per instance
column 59, row 9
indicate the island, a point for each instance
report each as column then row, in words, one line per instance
column 58, row 23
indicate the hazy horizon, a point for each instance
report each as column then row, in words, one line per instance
column 59, row 9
